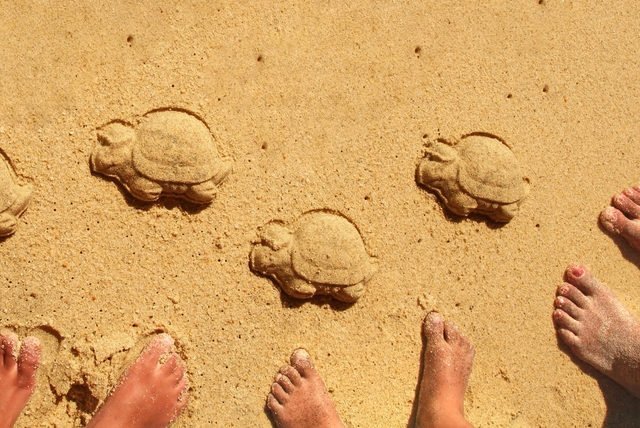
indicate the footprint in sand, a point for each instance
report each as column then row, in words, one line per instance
column 167, row 151
column 321, row 253
column 477, row 173
column 14, row 198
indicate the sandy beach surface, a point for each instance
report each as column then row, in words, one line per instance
column 321, row 105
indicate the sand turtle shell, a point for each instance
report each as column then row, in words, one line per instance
column 8, row 194
column 173, row 146
column 328, row 249
column 489, row 170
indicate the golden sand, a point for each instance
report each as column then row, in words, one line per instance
column 321, row 105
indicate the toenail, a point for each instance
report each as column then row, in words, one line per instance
column 559, row 301
column 577, row 271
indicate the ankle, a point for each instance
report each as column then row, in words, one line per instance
column 442, row 417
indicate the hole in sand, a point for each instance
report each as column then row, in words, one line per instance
column 81, row 394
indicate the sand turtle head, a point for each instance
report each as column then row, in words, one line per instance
column 176, row 146
column 489, row 170
column 267, row 254
column 440, row 163
column 328, row 249
column 113, row 149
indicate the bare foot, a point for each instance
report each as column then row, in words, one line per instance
column 17, row 375
column 298, row 397
column 623, row 217
column 151, row 393
column 448, row 358
column 597, row 328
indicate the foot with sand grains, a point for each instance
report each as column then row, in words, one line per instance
column 299, row 398
column 18, row 366
column 151, row 393
column 448, row 358
column 588, row 317
column 597, row 329
column 622, row 218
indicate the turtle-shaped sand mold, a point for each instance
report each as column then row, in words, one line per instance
column 321, row 253
column 14, row 198
column 169, row 151
column 477, row 173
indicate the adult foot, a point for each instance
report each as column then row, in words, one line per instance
column 623, row 216
column 151, row 393
column 18, row 366
column 298, row 397
column 597, row 328
column 448, row 358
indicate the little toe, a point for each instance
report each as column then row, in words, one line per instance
column 9, row 343
column 567, row 337
column 292, row 374
column 572, row 293
column 278, row 392
column 582, row 278
column 301, row 360
column 273, row 404
column 563, row 320
column 626, row 205
column 568, row 306
column 433, row 327
column 285, row 383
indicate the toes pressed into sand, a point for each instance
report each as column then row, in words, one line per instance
column 623, row 216
column 151, row 393
column 448, row 359
column 597, row 329
column 18, row 367
column 299, row 398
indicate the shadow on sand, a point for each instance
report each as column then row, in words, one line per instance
column 623, row 410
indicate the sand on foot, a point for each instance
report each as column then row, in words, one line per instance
column 597, row 329
column 18, row 367
column 150, row 394
column 299, row 398
column 448, row 359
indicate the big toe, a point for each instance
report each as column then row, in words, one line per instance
column 433, row 327
column 582, row 278
column 28, row 361
column 301, row 360
column 159, row 346
column 616, row 222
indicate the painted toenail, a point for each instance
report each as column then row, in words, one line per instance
column 577, row 271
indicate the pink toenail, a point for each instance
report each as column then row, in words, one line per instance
column 577, row 271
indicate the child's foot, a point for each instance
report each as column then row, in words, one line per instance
column 151, row 393
column 18, row 366
column 448, row 358
column 623, row 217
column 298, row 397
column 597, row 328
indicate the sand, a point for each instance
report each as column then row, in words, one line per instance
column 321, row 105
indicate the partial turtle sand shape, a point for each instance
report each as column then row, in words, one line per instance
column 321, row 253
column 478, row 173
column 168, row 151
column 14, row 198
